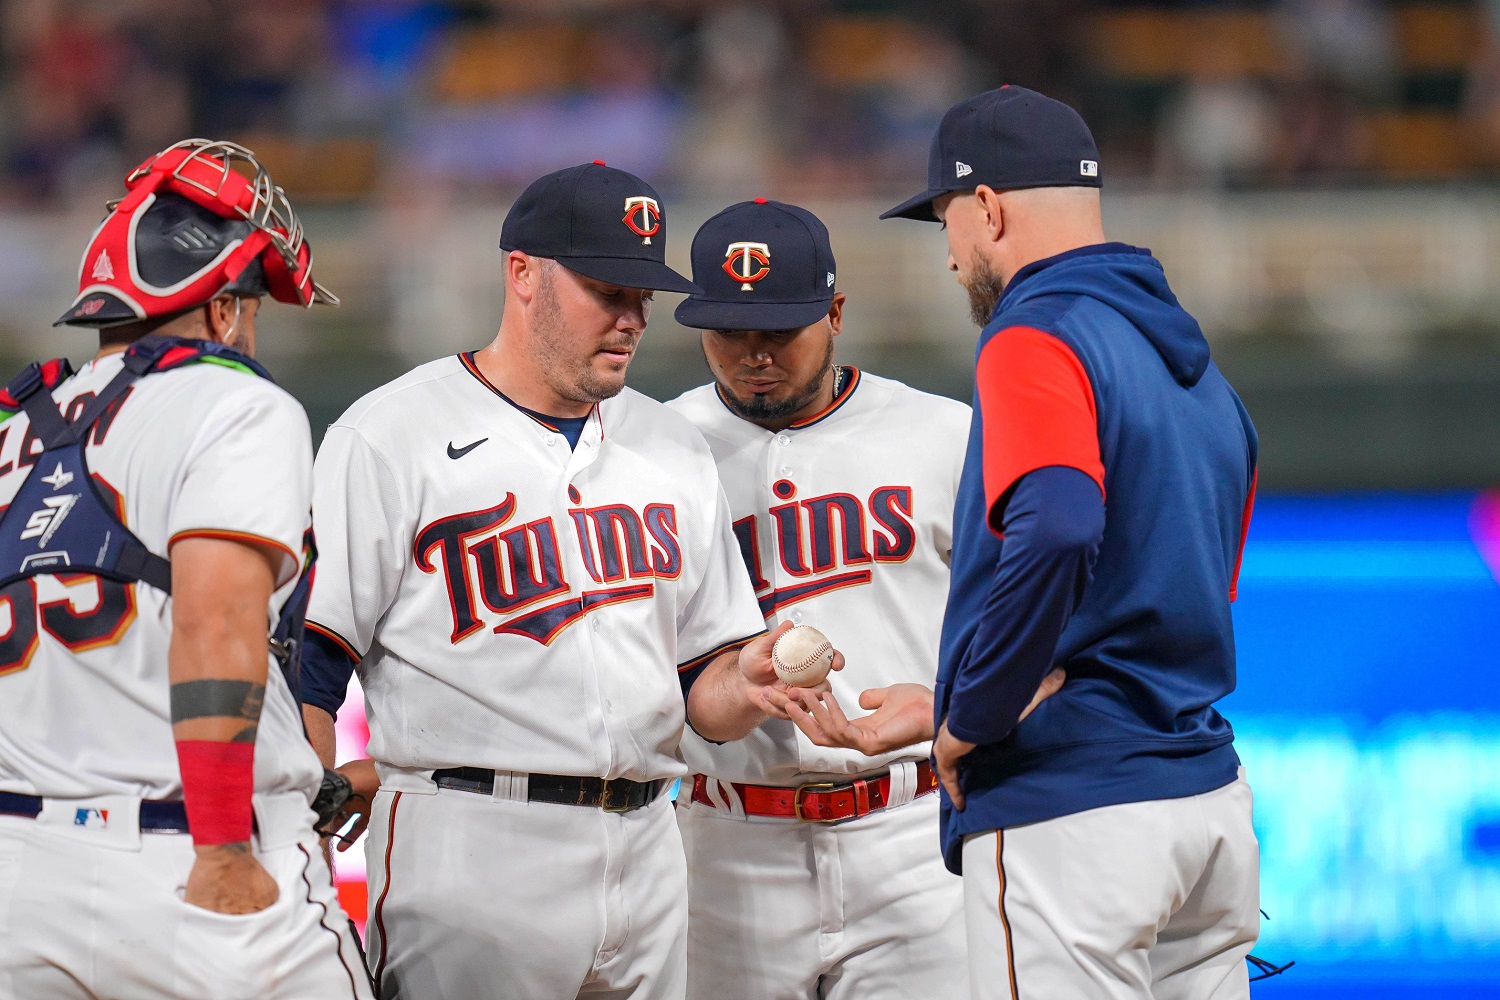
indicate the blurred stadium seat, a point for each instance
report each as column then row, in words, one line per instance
column 1153, row 44
column 1421, row 145
column 1437, row 37
column 486, row 64
column 319, row 169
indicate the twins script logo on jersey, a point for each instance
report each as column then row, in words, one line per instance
column 747, row 263
column 643, row 216
column 514, row 569
column 822, row 537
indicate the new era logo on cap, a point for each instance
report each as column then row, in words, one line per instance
column 962, row 169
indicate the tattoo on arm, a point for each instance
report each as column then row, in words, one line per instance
column 220, row 699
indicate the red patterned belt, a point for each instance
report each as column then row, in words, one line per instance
column 819, row 801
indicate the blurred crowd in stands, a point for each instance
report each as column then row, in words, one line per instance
column 346, row 98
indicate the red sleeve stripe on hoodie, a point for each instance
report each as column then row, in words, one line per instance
column 1037, row 408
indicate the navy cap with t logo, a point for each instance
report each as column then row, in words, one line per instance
column 762, row 265
column 1009, row 138
column 603, row 223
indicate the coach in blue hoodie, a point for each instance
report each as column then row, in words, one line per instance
column 1105, row 841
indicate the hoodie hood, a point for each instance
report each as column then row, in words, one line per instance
column 1129, row 280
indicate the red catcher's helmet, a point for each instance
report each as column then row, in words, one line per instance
column 192, row 228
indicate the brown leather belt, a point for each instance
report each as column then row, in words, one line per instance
column 819, row 801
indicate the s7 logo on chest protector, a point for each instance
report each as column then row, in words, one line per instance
column 516, row 571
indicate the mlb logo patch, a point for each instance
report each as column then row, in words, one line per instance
column 91, row 819
column 1089, row 168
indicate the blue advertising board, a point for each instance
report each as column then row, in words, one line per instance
column 1368, row 719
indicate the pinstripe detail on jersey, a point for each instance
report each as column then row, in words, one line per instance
column 1010, row 949
column 338, row 940
column 379, row 914
column 336, row 639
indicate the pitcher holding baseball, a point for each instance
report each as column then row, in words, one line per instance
column 841, row 488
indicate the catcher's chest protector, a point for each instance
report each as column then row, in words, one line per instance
column 63, row 520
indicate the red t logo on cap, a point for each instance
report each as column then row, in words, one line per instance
column 747, row 263
column 648, row 212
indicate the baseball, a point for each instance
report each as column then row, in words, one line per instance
column 802, row 656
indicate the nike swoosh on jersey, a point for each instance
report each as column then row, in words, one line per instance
column 461, row 452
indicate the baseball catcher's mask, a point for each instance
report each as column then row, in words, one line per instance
column 190, row 228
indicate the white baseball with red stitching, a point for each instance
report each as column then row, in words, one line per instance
column 802, row 656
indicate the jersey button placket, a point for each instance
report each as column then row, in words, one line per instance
column 585, row 634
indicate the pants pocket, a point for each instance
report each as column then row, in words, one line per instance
column 230, row 956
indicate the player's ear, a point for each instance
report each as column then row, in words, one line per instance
column 836, row 313
column 523, row 273
column 219, row 316
column 988, row 201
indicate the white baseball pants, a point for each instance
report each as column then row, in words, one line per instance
column 91, row 908
column 1154, row 900
column 480, row 897
column 787, row 910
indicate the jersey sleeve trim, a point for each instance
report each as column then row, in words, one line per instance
column 244, row 538
column 336, row 639
column 717, row 651
column 1037, row 409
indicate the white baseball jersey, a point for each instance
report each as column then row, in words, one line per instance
column 845, row 522
column 200, row 450
column 514, row 603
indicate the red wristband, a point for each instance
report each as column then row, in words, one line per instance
column 217, row 782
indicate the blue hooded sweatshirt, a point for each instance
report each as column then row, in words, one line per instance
column 1099, row 526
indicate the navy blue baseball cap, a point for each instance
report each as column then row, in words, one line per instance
column 761, row 265
column 1010, row 138
column 603, row 223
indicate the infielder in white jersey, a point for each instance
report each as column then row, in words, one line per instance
column 156, row 839
column 533, row 569
column 814, row 871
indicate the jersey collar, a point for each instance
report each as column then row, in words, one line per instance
column 851, row 379
column 467, row 360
